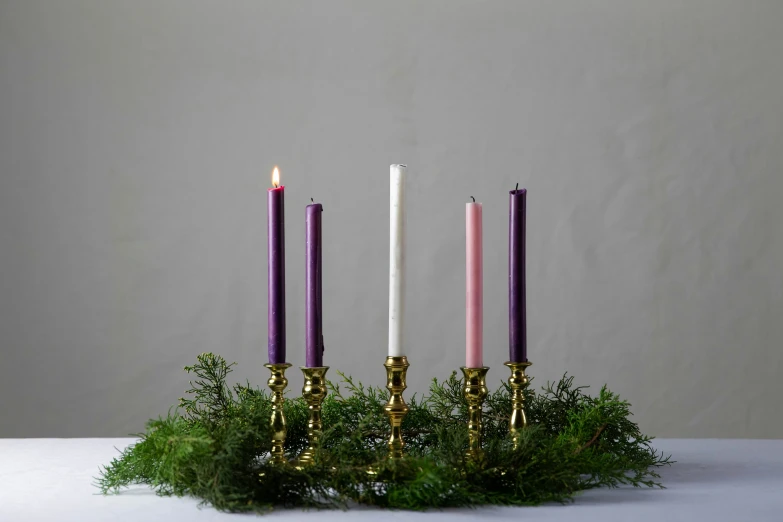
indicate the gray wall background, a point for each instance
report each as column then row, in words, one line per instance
column 137, row 138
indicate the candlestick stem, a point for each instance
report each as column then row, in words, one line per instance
column 396, row 409
column 277, row 383
column 518, row 382
column 475, row 391
column 313, row 392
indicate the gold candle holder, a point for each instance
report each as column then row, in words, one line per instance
column 396, row 409
column 313, row 392
column 475, row 391
column 518, row 382
column 277, row 383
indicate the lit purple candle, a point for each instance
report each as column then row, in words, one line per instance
column 517, row 312
column 314, row 340
column 276, row 270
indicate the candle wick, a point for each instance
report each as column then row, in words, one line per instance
column 474, row 199
column 517, row 187
column 311, row 200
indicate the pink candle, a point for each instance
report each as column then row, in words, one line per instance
column 474, row 295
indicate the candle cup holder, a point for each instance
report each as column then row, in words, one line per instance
column 517, row 382
column 277, row 383
column 475, row 391
column 313, row 392
column 396, row 409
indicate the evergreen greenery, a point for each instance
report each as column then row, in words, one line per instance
column 214, row 445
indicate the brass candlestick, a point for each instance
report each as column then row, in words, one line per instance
column 313, row 392
column 518, row 382
column 277, row 383
column 396, row 409
column 475, row 391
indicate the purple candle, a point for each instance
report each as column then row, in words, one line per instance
column 314, row 340
column 517, row 312
column 276, row 270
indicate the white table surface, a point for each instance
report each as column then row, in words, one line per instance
column 713, row 480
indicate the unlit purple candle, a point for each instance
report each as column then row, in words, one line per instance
column 276, row 270
column 314, row 340
column 517, row 310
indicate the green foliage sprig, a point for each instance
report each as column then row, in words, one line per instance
column 214, row 446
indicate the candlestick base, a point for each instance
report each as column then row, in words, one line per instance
column 277, row 383
column 475, row 391
column 313, row 392
column 518, row 382
column 396, row 409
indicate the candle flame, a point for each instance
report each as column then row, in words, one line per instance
column 276, row 177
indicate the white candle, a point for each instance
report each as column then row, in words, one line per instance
column 396, row 258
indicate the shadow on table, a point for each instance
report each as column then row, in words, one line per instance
column 673, row 477
column 711, row 473
column 139, row 490
column 685, row 473
column 680, row 474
